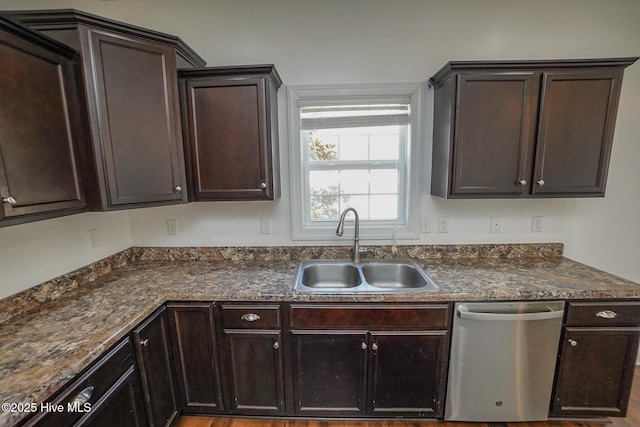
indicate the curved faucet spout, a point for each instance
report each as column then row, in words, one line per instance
column 355, row 256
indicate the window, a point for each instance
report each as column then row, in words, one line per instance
column 355, row 146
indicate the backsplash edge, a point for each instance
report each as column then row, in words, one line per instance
column 29, row 299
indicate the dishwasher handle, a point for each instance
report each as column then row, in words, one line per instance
column 464, row 313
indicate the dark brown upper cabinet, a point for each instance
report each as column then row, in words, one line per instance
column 41, row 127
column 524, row 128
column 230, row 125
column 130, row 74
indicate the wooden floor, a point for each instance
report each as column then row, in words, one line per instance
column 632, row 420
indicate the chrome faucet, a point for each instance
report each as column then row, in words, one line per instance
column 355, row 254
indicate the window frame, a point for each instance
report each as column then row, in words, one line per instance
column 304, row 95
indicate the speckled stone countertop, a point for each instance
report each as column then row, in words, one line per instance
column 43, row 347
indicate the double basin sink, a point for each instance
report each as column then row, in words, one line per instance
column 343, row 276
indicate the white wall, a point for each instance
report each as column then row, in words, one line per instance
column 33, row 253
column 381, row 41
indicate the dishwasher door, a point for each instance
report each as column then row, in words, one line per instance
column 503, row 358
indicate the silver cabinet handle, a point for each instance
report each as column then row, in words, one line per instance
column 178, row 188
column 263, row 185
column 540, row 182
column 276, row 345
column 250, row 317
column 374, row 346
column 82, row 397
column 363, row 346
column 9, row 200
column 522, row 182
column 607, row 314
column 144, row 343
column 573, row 343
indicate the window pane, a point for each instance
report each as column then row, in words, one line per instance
column 384, row 181
column 323, row 182
column 360, row 203
column 322, row 146
column 354, row 147
column 384, row 207
column 354, row 181
column 385, row 146
column 325, row 207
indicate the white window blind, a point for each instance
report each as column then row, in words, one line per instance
column 331, row 117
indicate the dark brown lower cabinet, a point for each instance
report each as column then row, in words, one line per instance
column 152, row 347
column 407, row 373
column 120, row 407
column 255, row 372
column 595, row 371
column 107, row 394
column 329, row 373
column 392, row 365
column 195, row 353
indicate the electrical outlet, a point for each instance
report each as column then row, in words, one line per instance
column 496, row 224
column 94, row 238
column 443, row 224
column 536, row 224
column 425, row 224
column 265, row 225
column 172, row 227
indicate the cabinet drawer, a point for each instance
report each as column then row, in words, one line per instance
column 369, row 316
column 617, row 313
column 101, row 377
column 251, row 316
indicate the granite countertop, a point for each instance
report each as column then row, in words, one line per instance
column 43, row 348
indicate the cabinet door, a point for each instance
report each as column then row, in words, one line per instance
column 134, row 102
column 406, row 376
column 196, row 354
column 121, row 406
column 494, row 134
column 40, row 126
column 151, row 344
column 329, row 373
column 229, row 142
column 577, row 118
column 595, row 371
column 256, row 383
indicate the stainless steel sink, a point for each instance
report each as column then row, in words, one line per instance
column 343, row 276
column 395, row 275
column 325, row 276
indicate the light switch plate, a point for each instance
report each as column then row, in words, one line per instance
column 265, row 225
column 443, row 224
column 94, row 238
column 536, row 224
column 172, row 227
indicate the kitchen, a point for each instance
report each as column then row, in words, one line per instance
column 302, row 39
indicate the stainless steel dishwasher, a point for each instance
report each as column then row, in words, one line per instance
column 502, row 363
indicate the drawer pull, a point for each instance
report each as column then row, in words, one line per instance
column 374, row 347
column 607, row 314
column 363, row 346
column 10, row 200
column 82, row 397
column 573, row 343
column 145, row 342
column 276, row 345
column 250, row 317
